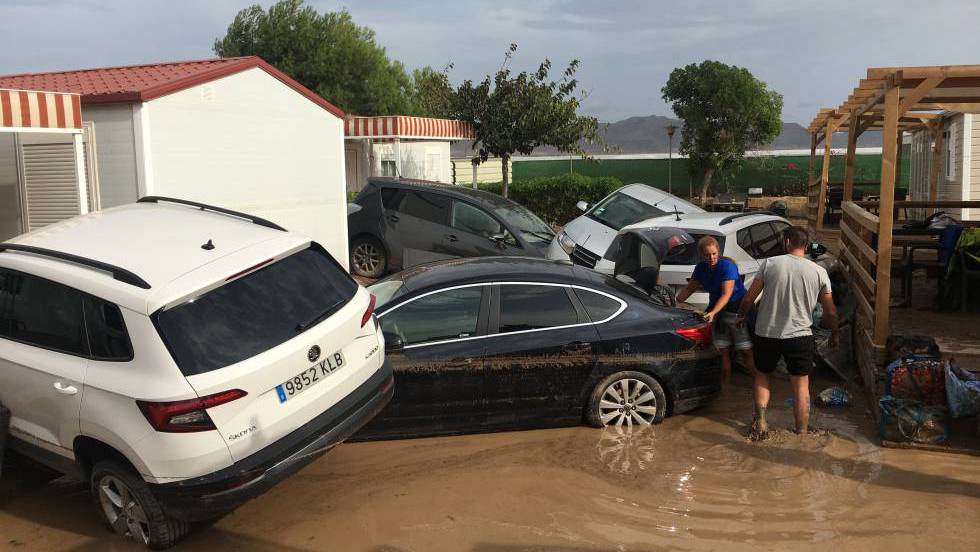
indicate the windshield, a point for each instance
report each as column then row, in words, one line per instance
column 256, row 312
column 386, row 290
column 527, row 223
column 619, row 210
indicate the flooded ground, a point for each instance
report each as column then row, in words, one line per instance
column 691, row 483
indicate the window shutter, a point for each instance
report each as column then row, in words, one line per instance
column 50, row 183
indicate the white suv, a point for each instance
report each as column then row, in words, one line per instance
column 746, row 238
column 182, row 358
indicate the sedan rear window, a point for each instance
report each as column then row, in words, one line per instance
column 256, row 312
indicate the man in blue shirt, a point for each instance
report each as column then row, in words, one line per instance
column 720, row 278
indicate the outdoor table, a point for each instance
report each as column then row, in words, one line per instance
column 911, row 240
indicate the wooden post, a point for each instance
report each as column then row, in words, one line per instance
column 898, row 166
column 937, row 159
column 889, row 154
column 813, row 160
column 825, row 175
column 849, row 160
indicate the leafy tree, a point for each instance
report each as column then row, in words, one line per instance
column 517, row 113
column 725, row 111
column 328, row 53
column 432, row 94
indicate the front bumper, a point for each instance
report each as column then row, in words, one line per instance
column 212, row 495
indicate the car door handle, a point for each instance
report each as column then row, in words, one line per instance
column 577, row 347
column 393, row 218
column 452, row 238
column 65, row 389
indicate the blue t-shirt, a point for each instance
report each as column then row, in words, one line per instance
column 712, row 278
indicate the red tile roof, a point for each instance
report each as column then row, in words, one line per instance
column 140, row 83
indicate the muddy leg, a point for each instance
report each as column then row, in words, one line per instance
column 760, row 427
column 726, row 364
column 801, row 405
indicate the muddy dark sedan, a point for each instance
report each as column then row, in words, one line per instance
column 499, row 343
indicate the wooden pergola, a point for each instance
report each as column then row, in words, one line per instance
column 892, row 100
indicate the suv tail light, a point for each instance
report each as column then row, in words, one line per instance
column 700, row 334
column 186, row 416
column 370, row 310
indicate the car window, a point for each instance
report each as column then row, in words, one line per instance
column 256, row 312
column 474, row 220
column 689, row 255
column 527, row 223
column 779, row 227
column 107, row 336
column 745, row 241
column 599, row 307
column 619, row 210
column 450, row 314
column 429, row 207
column 767, row 243
column 391, row 198
column 531, row 307
column 41, row 312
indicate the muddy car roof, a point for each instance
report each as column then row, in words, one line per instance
column 481, row 269
column 477, row 196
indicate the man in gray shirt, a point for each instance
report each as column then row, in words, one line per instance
column 790, row 285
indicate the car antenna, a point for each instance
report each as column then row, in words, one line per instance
column 677, row 213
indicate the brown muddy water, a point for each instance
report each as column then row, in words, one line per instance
column 691, row 483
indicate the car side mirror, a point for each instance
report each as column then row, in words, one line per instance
column 815, row 250
column 353, row 208
column 393, row 343
column 499, row 239
column 582, row 206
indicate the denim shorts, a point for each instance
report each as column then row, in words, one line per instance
column 728, row 334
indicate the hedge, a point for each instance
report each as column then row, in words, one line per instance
column 553, row 198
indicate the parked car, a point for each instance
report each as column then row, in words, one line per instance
column 746, row 238
column 182, row 358
column 588, row 236
column 403, row 223
column 501, row 343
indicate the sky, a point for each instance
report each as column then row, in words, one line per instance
column 811, row 52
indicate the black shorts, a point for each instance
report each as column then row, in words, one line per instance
column 798, row 352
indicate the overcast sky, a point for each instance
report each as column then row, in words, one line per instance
column 812, row 52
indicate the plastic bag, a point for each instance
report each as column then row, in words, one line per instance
column 917, row 378
column 834, row 397
column 911, row 421
column 962, row 392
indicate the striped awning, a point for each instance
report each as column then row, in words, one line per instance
column 34, row 110
column 400, row 126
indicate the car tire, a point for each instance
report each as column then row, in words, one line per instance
column 128, row 508
column 626, row 399
column 368, row 257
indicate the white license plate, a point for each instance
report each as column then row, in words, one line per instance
column 310, row 377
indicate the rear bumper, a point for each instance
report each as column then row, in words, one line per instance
column 212, row 495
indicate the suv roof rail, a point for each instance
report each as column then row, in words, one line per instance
column 205, row 207
column 118, row 273
column 730, row 218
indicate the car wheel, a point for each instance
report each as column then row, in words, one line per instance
column 626, row 399
column 129, row 509
column 368, row 257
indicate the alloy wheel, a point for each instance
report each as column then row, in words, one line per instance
column 124, row 512
column 627, row 402
column 367, row 258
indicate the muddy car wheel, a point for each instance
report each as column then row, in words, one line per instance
column 368, row 257
column 129, row 509
column 627, row 399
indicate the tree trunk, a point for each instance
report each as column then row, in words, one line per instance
column 504, row 163
column 705, row 184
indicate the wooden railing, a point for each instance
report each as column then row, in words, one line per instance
column 813, row 202
column 858, row 235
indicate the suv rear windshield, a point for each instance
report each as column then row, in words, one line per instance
column 256, row 312
column 689, row 255
column 619, row 210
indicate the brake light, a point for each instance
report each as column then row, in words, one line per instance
column 186, row 416
column 249, row 269
column 370, row 310
column 700, row 334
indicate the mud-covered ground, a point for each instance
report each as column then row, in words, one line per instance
column 691, row 483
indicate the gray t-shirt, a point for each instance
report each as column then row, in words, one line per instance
column 791, row 288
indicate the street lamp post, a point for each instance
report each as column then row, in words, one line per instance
column 670, row 154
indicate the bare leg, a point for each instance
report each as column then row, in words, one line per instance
column 801, row 406
column 748, row 359
column 726, row 364
column 760, row 427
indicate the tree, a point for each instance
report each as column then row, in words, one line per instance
column 327, row 53
column 725, row 111
column 517, row 113
column 432, row 94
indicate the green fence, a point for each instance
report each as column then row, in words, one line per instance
column 776, row 175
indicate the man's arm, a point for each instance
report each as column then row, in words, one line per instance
column 829, row 319
column 750, row 296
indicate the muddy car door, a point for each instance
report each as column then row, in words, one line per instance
column 540, row 352
column 415, row 224
column 435, row 347
column 475, row 233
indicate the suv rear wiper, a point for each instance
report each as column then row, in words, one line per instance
column 301, row 327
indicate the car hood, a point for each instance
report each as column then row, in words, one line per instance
column 590, row 234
